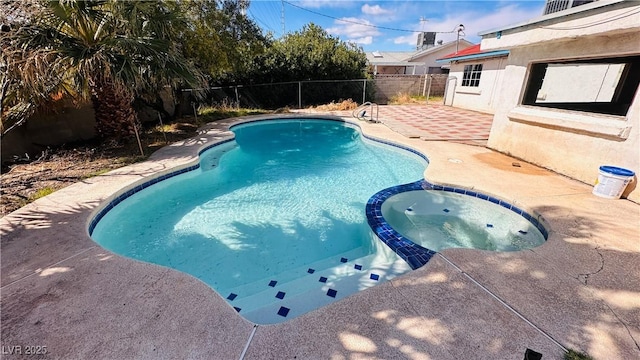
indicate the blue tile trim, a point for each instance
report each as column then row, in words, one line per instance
column 127, row 193
column 414, row 254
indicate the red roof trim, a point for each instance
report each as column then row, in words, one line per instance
column 471, row 50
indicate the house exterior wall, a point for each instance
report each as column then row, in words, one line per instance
column 428, row 60
column 483, row 97
column 569, row 142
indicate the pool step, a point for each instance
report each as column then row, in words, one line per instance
column 292, row 298
column 293, row 273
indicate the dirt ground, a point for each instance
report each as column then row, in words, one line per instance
column 26, row 180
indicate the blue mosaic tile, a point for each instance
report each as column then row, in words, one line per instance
column 310, row 271
column 331, row 293
column 482, row 196
column 459, row 191
column 471, row 193
column 535, row 222
column 323, row 279
column 505, row 204
column 284, row 311
column 375, row 277
column 358, row 267
column 494, row 200
column 237, row 308
column 343, row 260
column 522, row 232
column 272, row 283
column 446, row 210
column 280, row 295
column 489, row 225
column 232, row 296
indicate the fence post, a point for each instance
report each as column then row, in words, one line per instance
column 299, row 94
column 429, row 88
column 364, row 90
column 237, row 97
column 424, row 86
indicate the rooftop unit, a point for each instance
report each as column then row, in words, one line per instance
column 426, row 40
column 558, row 5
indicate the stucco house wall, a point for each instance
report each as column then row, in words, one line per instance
column 574, row 143
column 483, row 97
column 412, row 63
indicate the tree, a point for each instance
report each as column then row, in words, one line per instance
column 311, row 54
column 106, row 51
column 220, row 39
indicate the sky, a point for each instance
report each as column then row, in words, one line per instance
column 391, row 25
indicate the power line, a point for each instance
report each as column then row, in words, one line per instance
column 260, row 21
column 361, row 23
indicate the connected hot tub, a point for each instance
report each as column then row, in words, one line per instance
column 420, row 219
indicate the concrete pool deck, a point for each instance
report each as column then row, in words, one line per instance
column 581, row 289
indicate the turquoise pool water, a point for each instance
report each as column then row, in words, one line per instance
column 266, row 217
column 439, row 220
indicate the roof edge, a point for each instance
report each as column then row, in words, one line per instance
column 574, row 10
column 484, row 55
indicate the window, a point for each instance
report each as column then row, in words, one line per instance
column 604, row 86
column 471, row 75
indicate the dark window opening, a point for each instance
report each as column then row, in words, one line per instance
column 604, row 86
column 471, row 75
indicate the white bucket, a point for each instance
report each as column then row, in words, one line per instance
column 612, row 181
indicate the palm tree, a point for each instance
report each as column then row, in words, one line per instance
column 106, row 51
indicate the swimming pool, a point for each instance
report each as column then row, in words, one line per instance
column 273, row 220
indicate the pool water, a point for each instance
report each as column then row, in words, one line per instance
column 438, row 220
column 268, row 216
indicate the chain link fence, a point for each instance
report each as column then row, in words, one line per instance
column 301, row 94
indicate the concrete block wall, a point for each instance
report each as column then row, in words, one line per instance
column 388, row 86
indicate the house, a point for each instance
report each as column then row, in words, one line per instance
column 567, row 94
column 475, row 76
column 417, row 62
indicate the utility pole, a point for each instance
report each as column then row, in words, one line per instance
column 460, row 30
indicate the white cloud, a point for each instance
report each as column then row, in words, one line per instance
column 473, row 21
column 375, row 10
column 367, row 40
column 354, row 30
column 316, row 4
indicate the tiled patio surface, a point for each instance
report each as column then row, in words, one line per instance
column 434, row 122
column 580, row 289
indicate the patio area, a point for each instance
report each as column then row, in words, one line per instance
column 434, row 122
column 580, row 290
